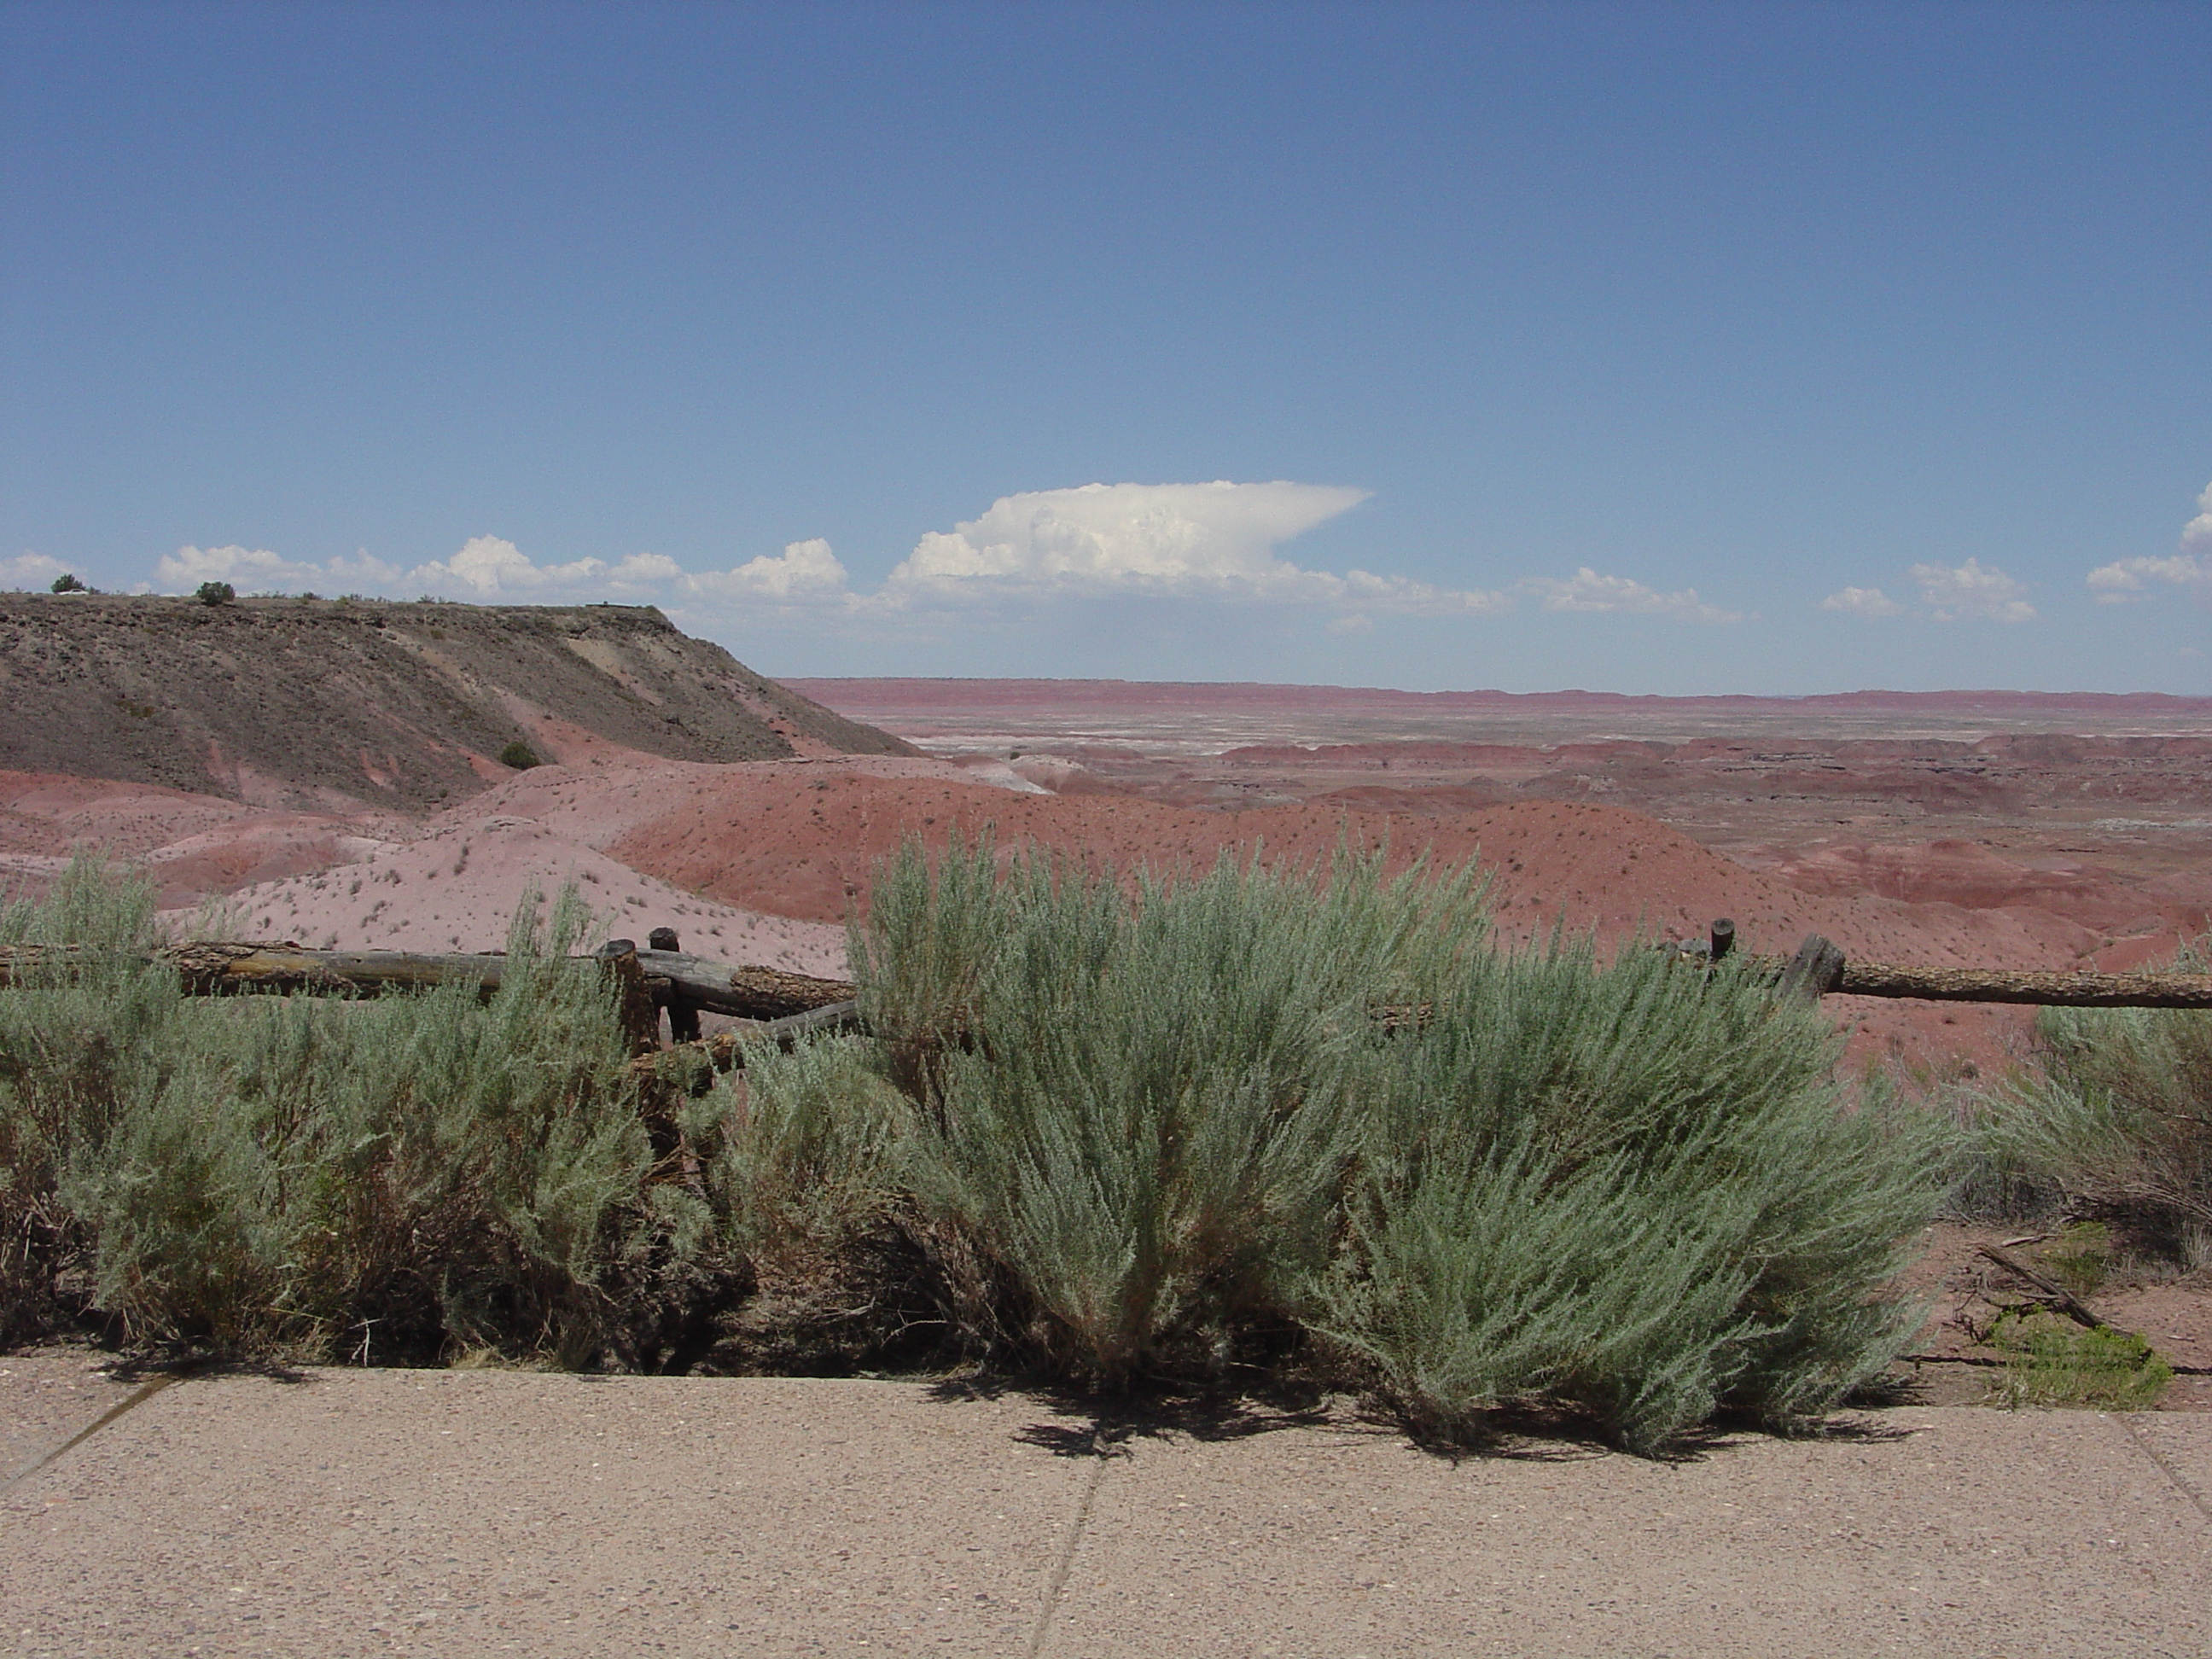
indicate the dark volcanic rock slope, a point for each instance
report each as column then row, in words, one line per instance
column 332, row 703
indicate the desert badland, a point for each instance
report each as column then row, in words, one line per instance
column 330, row 773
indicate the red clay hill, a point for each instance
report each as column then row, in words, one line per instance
column 761, row 854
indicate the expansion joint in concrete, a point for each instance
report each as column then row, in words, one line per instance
column 137, row 1397
column 2166, row 1466
column 1101, row 1452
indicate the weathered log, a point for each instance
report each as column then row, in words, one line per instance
column 641, row 1016
column 1815, row 970
column 209, row 968
column 677, row 979
column 215, row 967
column 1721, row 940
column 725, row 1050
column 2047, row 988
column 683, row 1014
column 1818, row 964
column 747, row 993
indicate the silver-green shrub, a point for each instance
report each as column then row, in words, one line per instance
column 1132, row 1098
column 1630, row 1188
column 1166, row 1110
column 398, row 1178
column 2119, row 1118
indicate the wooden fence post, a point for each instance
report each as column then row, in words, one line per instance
column 640, row 1020
column 682, row 1012
column 1815, row 970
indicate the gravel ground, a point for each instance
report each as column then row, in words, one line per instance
column 463, row 1512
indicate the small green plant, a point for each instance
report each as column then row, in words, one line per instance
column 215, row 593
column 68, row 583
column 2054, row 1362
column 2081, row 1257
column 519, row 756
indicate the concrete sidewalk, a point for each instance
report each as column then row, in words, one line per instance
column 458, row 1512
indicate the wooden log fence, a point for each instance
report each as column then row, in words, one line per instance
column 1819, row 970
column 214, row 968
column 781, row 1005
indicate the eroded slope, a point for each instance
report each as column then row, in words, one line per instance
column 341, row 705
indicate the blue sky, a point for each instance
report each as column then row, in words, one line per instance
column 1652, row 348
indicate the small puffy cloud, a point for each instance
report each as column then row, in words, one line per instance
column 804, row 570
column 2127, row 580
column 2198, row 532
column 1862, row 602
column 242, row 566
column 489, row 565
column 1587, row 591
column 1212, row 541
column 30, row 570
column 485, row 567
column 1973, row 591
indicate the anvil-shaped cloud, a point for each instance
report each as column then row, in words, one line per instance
column 1172, row 541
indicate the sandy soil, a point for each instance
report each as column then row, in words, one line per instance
column 459, row 884
column 706, row 848
column 1965, row 1290
column 1621, row 815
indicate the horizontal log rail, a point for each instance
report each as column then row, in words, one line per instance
column 677, row 979
column 1819, row 970
column 218, row 968
column 2050, row 990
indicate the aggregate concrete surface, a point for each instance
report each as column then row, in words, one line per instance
column 365, row 1512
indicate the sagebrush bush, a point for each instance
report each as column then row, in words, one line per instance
column 1133, row 1102
column 1165, row 1112
column 1630, row 1188
column 399, row 1179
column 2119, row 1118
column 1107, row 1125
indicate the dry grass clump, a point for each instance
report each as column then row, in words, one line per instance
column 2118, row 1125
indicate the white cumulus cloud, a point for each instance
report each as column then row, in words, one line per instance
column 804, row 570
column 1216, row 541
column 1862, row 602
column 485, row 567
column 31, row 569
column 1973, row 591
column 2126, row 580
column 241, row 567
column 490, row 565
column 1586, row 590
column 2198, row 531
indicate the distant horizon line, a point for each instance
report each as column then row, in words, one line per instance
column 1867, row 696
